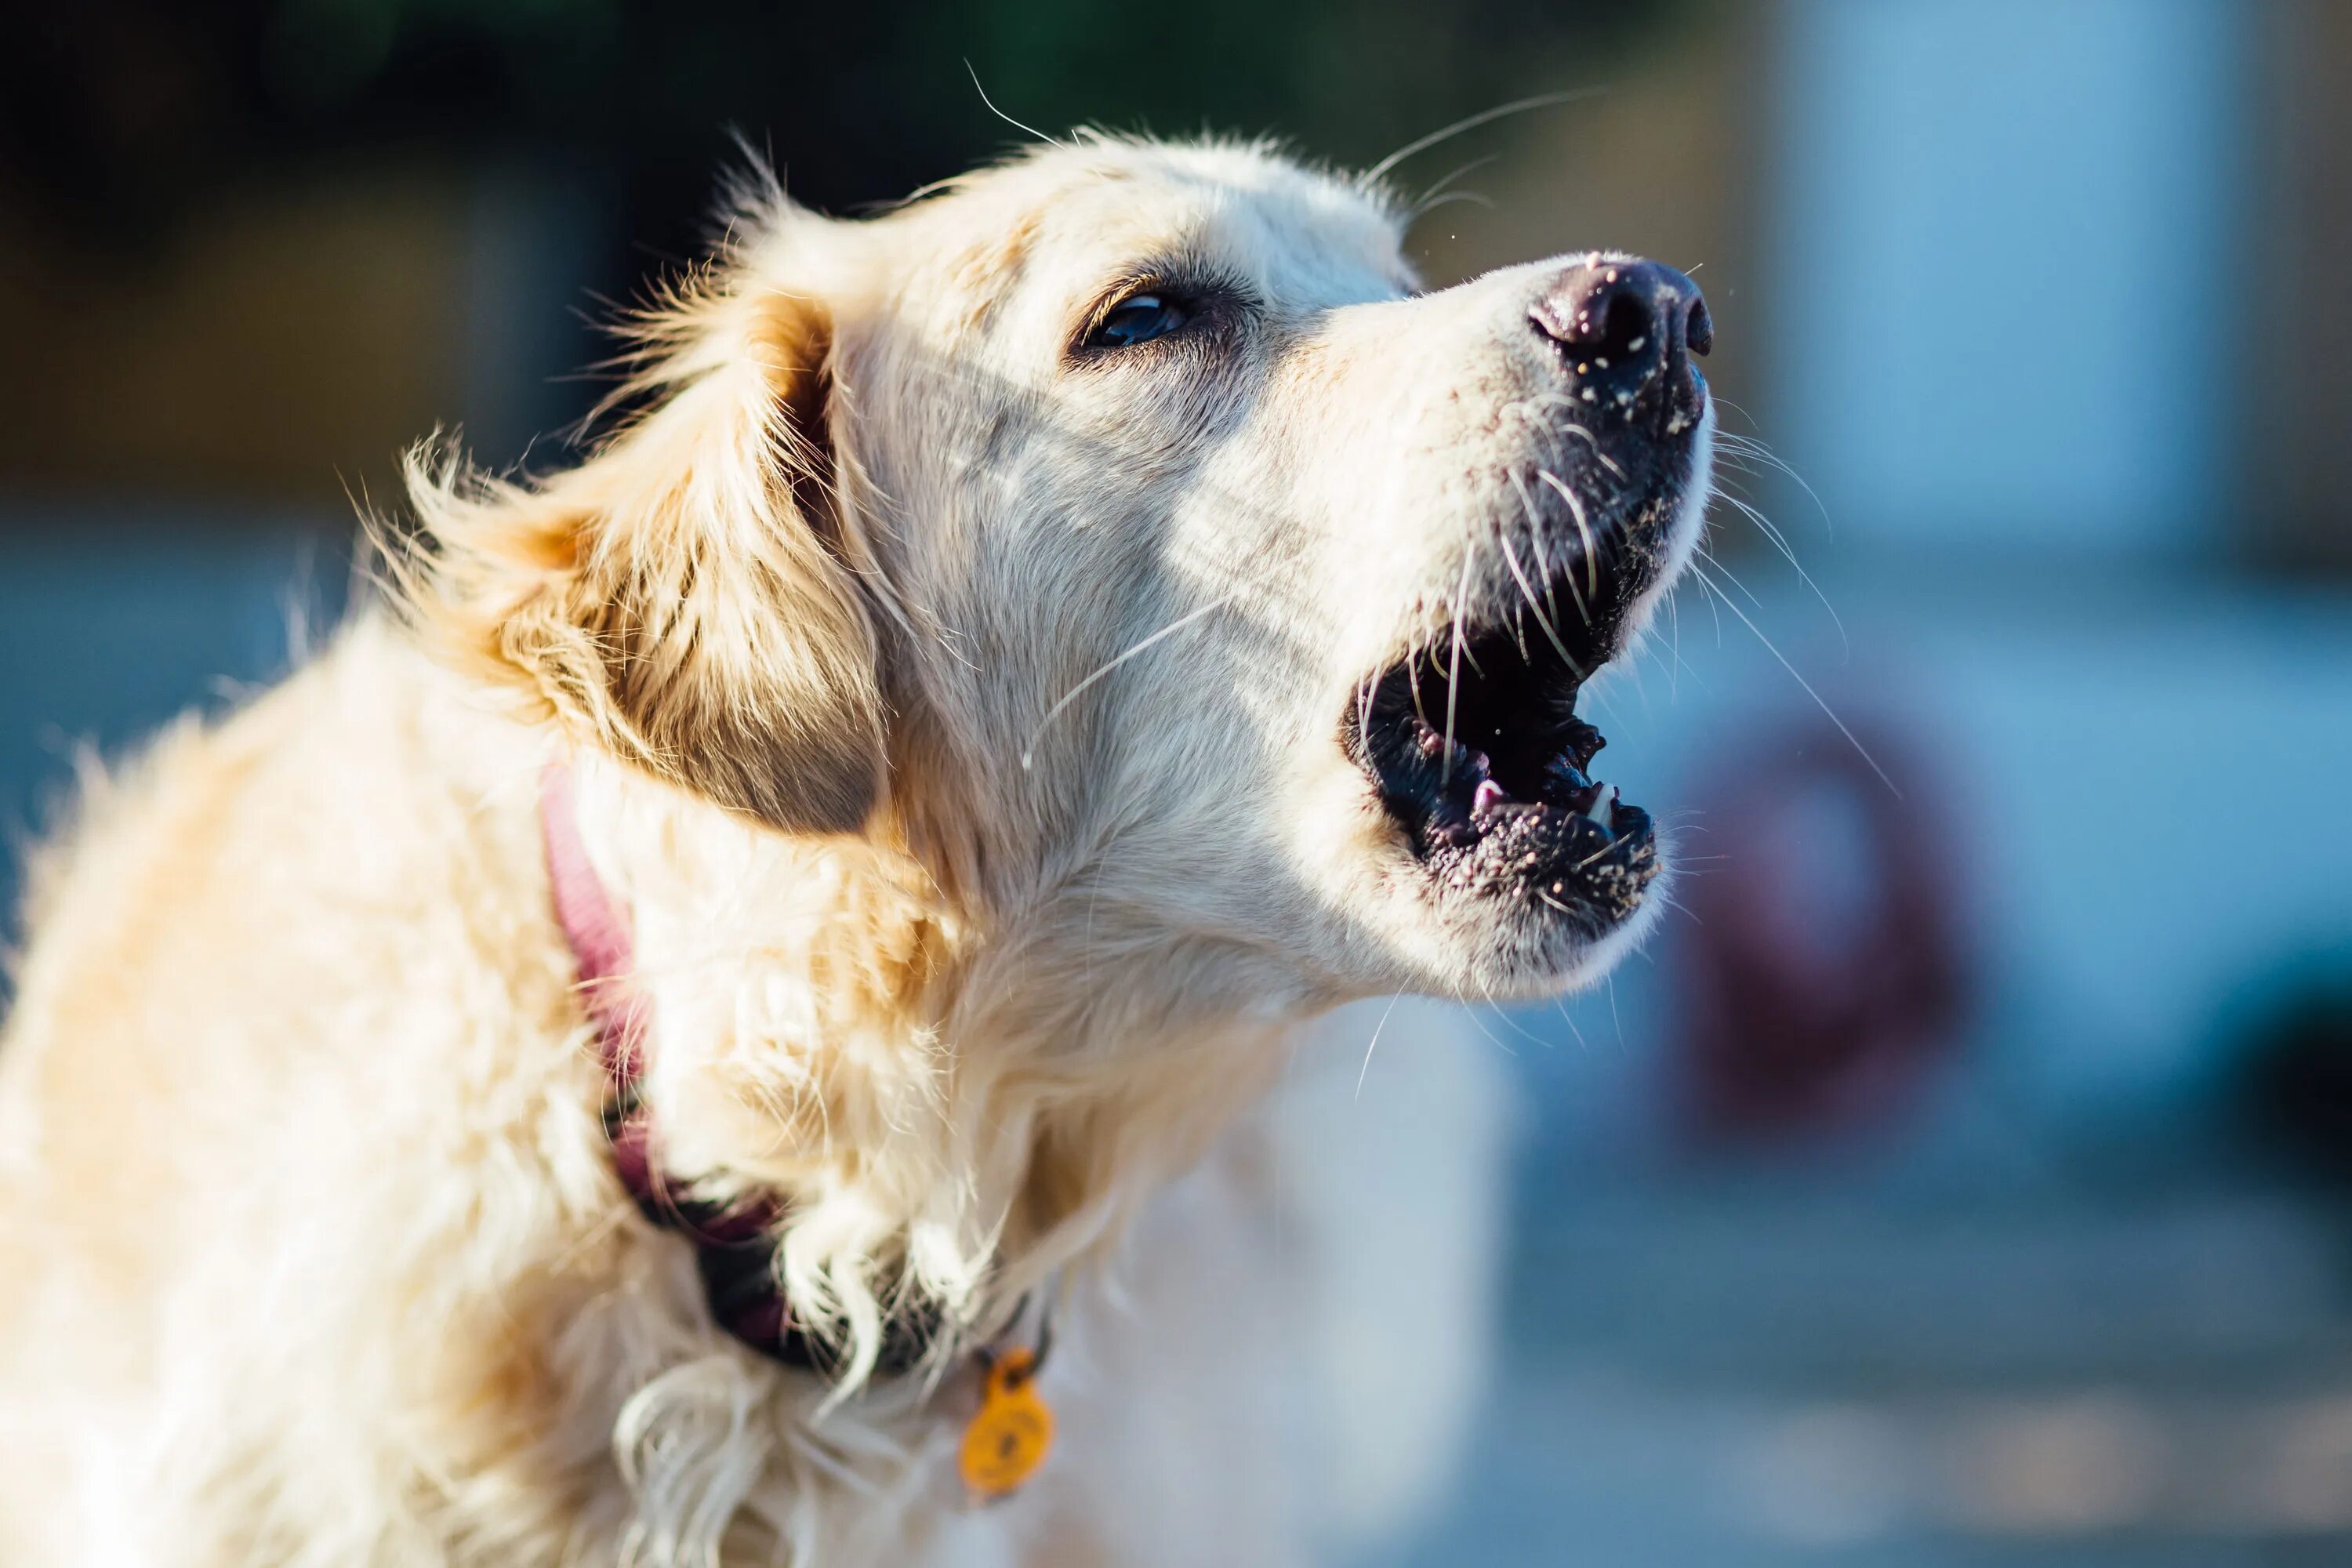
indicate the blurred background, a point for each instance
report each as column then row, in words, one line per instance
column 1962, row 1176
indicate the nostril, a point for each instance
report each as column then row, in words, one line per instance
column 1626, row 330
column 1628, row 327
column 1600, row 312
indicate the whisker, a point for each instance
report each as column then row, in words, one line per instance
column 1668, row 901
column 1860, row 750
column 1503, row 1013
column 1374, row 1044
column 1750, row 445
column 1470, row 1013
column 1710, row 558
column 1780, row 542
column 1422, row 205
column 1562, row 400
column 1540, row 537
column 1451, row 197
column 1028, row 753
column 1591, row 551
column 1596, row 854
column 1674, row 636
column 1511, row 559
column 1470, row 122
column 1001, row 114
column 1603, row 458
column 1562, row 1008
column 1454, row 665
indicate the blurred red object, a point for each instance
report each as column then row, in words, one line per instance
column 1823, row 975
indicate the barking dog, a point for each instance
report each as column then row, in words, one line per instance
column 635, row 1052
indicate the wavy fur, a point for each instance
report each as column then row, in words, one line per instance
column 953, row 714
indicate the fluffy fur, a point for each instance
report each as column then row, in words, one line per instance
column 954, row 713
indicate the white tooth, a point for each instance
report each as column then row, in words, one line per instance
column 1602, row 804
column 1487, row 794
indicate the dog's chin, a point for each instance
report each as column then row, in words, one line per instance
column 1529, row 959
column 1537, row 872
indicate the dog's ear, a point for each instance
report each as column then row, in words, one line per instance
column 682, row 599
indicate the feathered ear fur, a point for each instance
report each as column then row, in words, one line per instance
column 680, row 599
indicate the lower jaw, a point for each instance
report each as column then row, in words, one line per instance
column 1553, row 865
column 1522, row 828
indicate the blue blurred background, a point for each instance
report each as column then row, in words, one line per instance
column 1962, row 1175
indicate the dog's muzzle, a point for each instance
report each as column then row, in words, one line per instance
column 1471, row 738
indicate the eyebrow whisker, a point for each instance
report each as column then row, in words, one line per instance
column 1470, row 122
column 1000, row 114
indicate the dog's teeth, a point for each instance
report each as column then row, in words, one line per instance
column 1487, row 796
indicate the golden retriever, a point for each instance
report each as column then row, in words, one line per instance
column 635, row 1051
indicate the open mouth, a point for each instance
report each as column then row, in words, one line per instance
column 1477, row 753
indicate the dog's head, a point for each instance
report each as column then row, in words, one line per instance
column 1124, row 532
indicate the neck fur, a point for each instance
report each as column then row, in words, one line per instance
column 952, row 1108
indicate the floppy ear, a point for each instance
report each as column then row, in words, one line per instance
column 680, row 599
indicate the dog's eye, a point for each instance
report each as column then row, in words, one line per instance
column 1138, row 318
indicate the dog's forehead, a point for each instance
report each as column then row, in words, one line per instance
column 1070, row 216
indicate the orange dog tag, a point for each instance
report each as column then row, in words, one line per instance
column 1008, row 1439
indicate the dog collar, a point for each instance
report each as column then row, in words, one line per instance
column 734, row 1250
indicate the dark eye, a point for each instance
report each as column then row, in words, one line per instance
column 1138, row 318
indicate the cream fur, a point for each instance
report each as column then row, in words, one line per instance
column 954, row 720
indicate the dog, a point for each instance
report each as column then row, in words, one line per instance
column 741, row 1015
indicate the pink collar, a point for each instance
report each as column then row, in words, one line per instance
column 732, row 1242
column 734, row 1246
column 597, row 930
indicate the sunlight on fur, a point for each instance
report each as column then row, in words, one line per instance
column 987, row 657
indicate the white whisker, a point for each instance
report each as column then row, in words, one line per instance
column 1429, row 196
column 1374, row 1044
column 1453, row 664
column 1470, row 122
column 1072, row 695
column 1703, row 553
column 1001, row 114
column 1516, row 1027
column 1780, row 543
column 1511, row 559
column 1480, row 197
column 1750, row 445
column 1603, row 458
column 1860, row 750
column 1591, row 551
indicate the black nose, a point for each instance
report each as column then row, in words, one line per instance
column 1625, row 331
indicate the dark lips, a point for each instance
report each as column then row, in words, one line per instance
column 1479, row 756
column 1472, row 740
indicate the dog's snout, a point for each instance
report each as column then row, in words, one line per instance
column 1624, row 328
